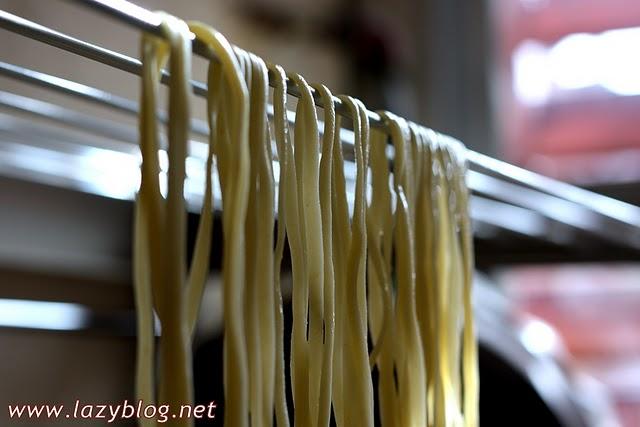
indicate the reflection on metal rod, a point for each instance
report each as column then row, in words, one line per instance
column 125, row 105
column 114, row 131
column 518, row 220
column 613, row 208
column 41, row 153
column 556, row 208
column 103, row 127
column 85, row 92
column 69, row 87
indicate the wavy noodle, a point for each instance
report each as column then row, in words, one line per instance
column 282, row 142
column 228, row 114
column 331, row 136
column 341, row 240
column 355, row 354
column 381, row 299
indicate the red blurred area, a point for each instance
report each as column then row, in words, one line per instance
column 595, row 310
column 576, row 134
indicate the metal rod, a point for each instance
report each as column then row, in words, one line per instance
column 125, row 63
column 556, row 210
column 97, row 126
column 131, row 14
column 87, row 93
column 79, row 47
column 621, row 211
column 136, row 16
column 115, row 132
column 102, row 98
column 69, row 87
column 121, row 104
column 35, row 31
column 69, row 148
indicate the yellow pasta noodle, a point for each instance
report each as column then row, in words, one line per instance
column 228, row 114
column 282, row 144
column 358, row 383
column 341, row 240
column 175, row 360
column 306, row 155
column 251, row 246
column 263, row 186
column 425, row 271
column 299, row 347
column 469, row 345
column 331, row 136
column 148, row 223
column 409, row 357
column 381, row 298
column 448, row 271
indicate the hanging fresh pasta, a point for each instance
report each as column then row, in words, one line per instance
column 382, row 277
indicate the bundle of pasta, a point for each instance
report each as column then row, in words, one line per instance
column 160, row 275
column 381, row 280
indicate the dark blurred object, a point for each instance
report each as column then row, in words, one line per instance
column 626, row 191
column 369, row 41
column 527, row 378
column 595, row 309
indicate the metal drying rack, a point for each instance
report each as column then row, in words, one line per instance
column 532, row 208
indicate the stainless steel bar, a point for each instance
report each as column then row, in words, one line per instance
column 103, row 127
column 85, row 92
column 68, row 87
column 39, row 152
column 130, row 14
column 607, row 206
column 27, row 131
column 63, row 41
column 549, row 206
column 517, row 220
column 114, row 131
column 97, row 53
column 578, row 219
column 118, row 103
column 122, row 62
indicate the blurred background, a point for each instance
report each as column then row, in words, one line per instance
column 549, row 85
